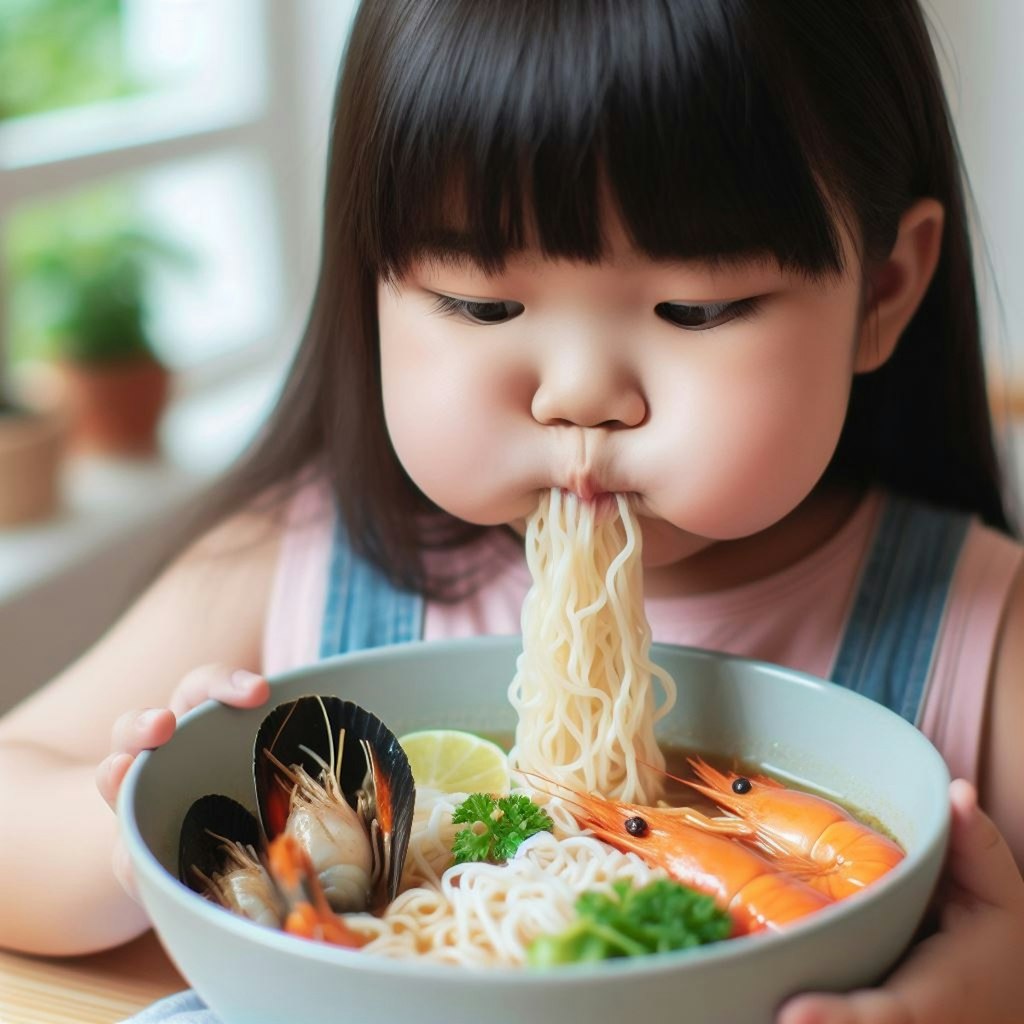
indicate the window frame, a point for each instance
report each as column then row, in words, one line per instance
column 138, row 133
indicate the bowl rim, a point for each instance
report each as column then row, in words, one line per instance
column 153, row 873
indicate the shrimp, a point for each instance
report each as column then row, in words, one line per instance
column 332, row 833
column 756, row 893
column 811, row 837
column 349, row 804
column 243, row 886
column 308, row 914
column 217, row 858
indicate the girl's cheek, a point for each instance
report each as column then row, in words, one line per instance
column 452, row 455
column 446, row 417
column 752, row 439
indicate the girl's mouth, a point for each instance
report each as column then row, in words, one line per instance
column 587, row 487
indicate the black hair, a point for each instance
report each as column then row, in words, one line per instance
column 720, row 129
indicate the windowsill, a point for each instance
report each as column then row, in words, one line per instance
column 105, row 499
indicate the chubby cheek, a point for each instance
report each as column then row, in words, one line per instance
column 446, row 415
column 756, row 433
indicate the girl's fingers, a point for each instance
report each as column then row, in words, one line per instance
column 871, row 1006
column 237, row 687
column 242, row 690
column 110, row 774
column 965, row 972
column 980, row 861
column 135, row 731
column 141, row 730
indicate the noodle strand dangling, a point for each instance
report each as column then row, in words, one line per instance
column 583, row 685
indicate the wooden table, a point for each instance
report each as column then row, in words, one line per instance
column 98, row 989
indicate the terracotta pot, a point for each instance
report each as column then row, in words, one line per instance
column 31, row 444
column 115, row 408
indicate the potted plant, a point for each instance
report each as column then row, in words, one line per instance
column 112, row 382
column 31, row 444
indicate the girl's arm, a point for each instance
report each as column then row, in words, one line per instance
column 57, row 888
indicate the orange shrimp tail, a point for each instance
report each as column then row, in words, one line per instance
column 305, row 922
column 287, row 861
column 309, row 915
column 856, row 857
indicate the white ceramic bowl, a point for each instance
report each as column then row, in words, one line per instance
column 813, row 730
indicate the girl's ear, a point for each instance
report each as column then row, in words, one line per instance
column 896, row 286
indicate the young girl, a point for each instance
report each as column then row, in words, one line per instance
column 712, row 254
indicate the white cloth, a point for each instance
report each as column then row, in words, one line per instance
column 180, row 1008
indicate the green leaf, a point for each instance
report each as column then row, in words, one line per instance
column 497, row 827
column 659, row 917
column 478, row 807
column 469, row 846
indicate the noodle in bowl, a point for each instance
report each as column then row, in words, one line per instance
column 784, row 720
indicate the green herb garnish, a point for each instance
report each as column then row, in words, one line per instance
column 506, row 822
column 657, row 918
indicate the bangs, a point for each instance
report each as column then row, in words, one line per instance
column 496, row 132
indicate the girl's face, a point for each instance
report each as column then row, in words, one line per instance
column 715, row 396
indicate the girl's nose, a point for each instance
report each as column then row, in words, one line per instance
column 588, row 394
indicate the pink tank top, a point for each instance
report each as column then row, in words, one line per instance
column 759, row 619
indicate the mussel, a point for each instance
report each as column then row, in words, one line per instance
column 217, row 857
column 335, row 777
column 329, row 775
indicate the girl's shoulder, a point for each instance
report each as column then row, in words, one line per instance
column 298, row 584
column 250, row 543
column 1002, row 765
column 982, row 653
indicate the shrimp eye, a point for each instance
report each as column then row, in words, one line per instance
column 636, row 826
column 741, row 785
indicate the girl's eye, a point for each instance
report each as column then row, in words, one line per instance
column 702, row 318
column 479, row 312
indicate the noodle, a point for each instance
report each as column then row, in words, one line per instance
column 586, row 720
column 487, row 914
column 583, row 682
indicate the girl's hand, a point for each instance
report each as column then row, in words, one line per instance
column 145, row 729
column 970, row 972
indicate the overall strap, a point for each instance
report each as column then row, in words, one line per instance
column 363, row 608
column 890, row 638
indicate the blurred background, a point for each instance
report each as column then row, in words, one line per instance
column 161, row 172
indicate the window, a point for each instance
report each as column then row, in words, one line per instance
column 174, row 120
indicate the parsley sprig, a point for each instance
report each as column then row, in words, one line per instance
column 661, row 916
column 496, row 826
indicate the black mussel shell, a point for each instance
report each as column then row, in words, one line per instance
column 199, row 850
column 314, row 722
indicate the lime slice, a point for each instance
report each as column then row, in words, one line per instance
column 456, row 762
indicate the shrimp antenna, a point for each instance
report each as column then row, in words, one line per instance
column 661, row 771
column 550, row 782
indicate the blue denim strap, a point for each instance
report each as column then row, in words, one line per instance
column 363, row 608
column 890, row 637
